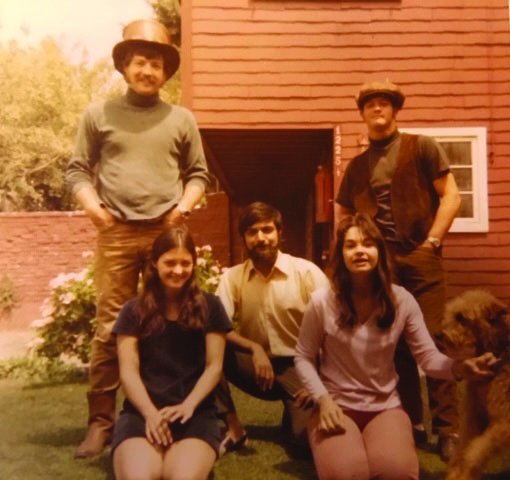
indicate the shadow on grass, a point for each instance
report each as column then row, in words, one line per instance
column 103, row 463
column 424, row 475
column 266, row 433
column 71, row 437
column 300, row 463
column 297, row 468
column 62, row 437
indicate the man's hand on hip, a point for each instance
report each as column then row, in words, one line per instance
column 101, row 218
column 94, row 208
column 174, row 218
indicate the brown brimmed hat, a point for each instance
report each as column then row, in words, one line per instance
column 147, row 33
column 380, row 89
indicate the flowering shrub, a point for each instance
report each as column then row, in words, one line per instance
column 68, row 320
column 208, row 269
column 68, row 317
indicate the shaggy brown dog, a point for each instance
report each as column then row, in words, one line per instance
column 475, row 323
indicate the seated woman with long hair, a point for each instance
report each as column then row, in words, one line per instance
column 358, row 429
column 170, row 341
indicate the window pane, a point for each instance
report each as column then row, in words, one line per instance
column 459, row 153
column 464, row 178
column 466, row 206
column 466, row 148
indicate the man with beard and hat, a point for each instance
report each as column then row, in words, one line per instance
column 404, row 183
column 137, row 167
column 266, row 295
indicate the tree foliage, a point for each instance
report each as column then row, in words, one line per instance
column 43, row 95
column 168, row 13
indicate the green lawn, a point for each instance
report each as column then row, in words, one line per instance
column 41, row 424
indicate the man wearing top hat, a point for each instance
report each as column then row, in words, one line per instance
column 138, row 166
column 404, row 182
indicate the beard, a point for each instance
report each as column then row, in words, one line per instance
column 262, row 254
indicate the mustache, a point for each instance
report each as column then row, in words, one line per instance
column 265, row 249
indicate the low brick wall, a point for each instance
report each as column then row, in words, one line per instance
column 36, row 247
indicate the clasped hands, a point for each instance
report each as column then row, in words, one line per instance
column 157, row 425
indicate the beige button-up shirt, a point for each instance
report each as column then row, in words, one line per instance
column 269, row 310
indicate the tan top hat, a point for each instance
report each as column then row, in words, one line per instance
column 385, row 88
column 147, row 33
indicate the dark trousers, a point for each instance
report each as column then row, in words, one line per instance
column 422, row 273
column 238, row 369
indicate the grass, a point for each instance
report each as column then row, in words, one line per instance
column 42, row 423
column 41, row 426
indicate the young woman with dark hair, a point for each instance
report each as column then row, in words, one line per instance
column 170, row 341
column 358, row 428
column 342, row 279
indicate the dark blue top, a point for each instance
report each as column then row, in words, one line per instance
column 171, row 362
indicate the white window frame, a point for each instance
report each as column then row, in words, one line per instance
column 477, row 136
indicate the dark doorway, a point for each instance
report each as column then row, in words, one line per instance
column 274, row 166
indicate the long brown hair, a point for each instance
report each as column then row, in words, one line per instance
column 151, row 304
column 382, row 274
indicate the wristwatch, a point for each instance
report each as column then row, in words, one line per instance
column 434, row 241
column 185, row 213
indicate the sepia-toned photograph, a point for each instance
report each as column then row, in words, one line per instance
column 254, row 239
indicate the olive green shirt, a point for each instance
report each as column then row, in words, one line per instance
column 139, row 153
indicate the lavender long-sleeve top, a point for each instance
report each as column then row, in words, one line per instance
column 357, row 364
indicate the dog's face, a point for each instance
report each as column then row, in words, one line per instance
column 474, row 323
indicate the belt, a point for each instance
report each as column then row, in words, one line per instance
column 145, row 221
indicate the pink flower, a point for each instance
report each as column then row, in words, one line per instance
column 60, row 280
column 41, row 322
column 67, row 298
column 34, row 343
column 46, row 308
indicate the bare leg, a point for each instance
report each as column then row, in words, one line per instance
column 235, row 434
column 188, row 459
column 235, row 428
column 137, row 459
column 338, row 456
column 390, row 446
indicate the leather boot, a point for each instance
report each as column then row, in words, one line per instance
column 101, row 422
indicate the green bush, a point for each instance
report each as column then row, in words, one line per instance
column 8, row 295
column 40, row 370
column 68, row 319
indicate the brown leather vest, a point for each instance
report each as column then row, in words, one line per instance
column 414, row 201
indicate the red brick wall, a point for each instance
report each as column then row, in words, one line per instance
column 298, row 64
column 36, row 247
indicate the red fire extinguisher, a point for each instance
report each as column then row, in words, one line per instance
column 323, row 195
